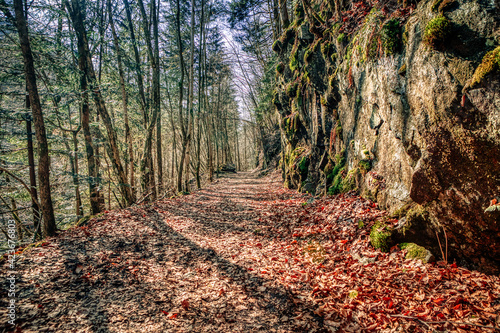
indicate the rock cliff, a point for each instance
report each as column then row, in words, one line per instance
column 401, row 103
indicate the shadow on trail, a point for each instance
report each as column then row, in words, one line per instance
column 274, row 300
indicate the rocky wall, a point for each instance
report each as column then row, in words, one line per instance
column 402, row 106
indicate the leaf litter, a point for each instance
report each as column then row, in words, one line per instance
column 242, row 255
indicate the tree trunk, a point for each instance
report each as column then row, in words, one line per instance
column 76, row 183
column 128, row 136
column 147, row 169
column 49, row 225
column 31, row 163
column 83, row 49
column 285, row 21
column 181, row 90
column 140, row 79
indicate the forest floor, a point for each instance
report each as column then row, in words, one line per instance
column 241, row 255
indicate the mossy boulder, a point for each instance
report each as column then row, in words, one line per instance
column 380, row 236
column 417, row 252
column 280, row 68
column 490, row 65
column 437, row 31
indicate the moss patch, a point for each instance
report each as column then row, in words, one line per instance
column 390, row 35
column 436, row 32
column 303, row 164
column 489, row 65
column 310, row 52
column 380, row 236
column 291, row 89
column 342, row 38
column 415, row 251
column 294, row 61
column 365, row 165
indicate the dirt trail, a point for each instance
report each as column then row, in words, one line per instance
column 242, row 255
column 180, row 265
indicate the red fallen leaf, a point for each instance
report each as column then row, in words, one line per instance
column 45, row 243
column 250, row 269
column 454, row 265
column 344, row 241
column 493, row 202
column 173, row 316
column 164, row 312
column 185, row 304
column 106, row 212
column 286, row 260
column 390, row 304
column 40, row 306
column 274, row 259
column 294, row 242
column 458, row 306
column 438, row 301
column 264, row 272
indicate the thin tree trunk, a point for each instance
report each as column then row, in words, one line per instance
column 140, row 79
column 128, row 136
column 76, row 183
column 31, row 163
column 190, row 98
column 153, row 54
column 83, row 48
column 181, row 90
column 200, row 91
column 49, row 225
column 157, row 101
column 285, row 21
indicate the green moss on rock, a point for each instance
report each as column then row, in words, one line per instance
column 436, row 32
column 310, row 52
column 415, row 251
column 280, row 68
column 489, row 65
column 390, row 36
column 342, row 38
column 294, row 61
column 380, row 236
column 303, row 164
column 327, row 49
column 291, row 89
column 365, row 165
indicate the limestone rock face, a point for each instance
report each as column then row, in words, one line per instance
column 402, row 124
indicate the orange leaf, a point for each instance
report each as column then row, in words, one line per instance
column 438, row 301
column 173, row 316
